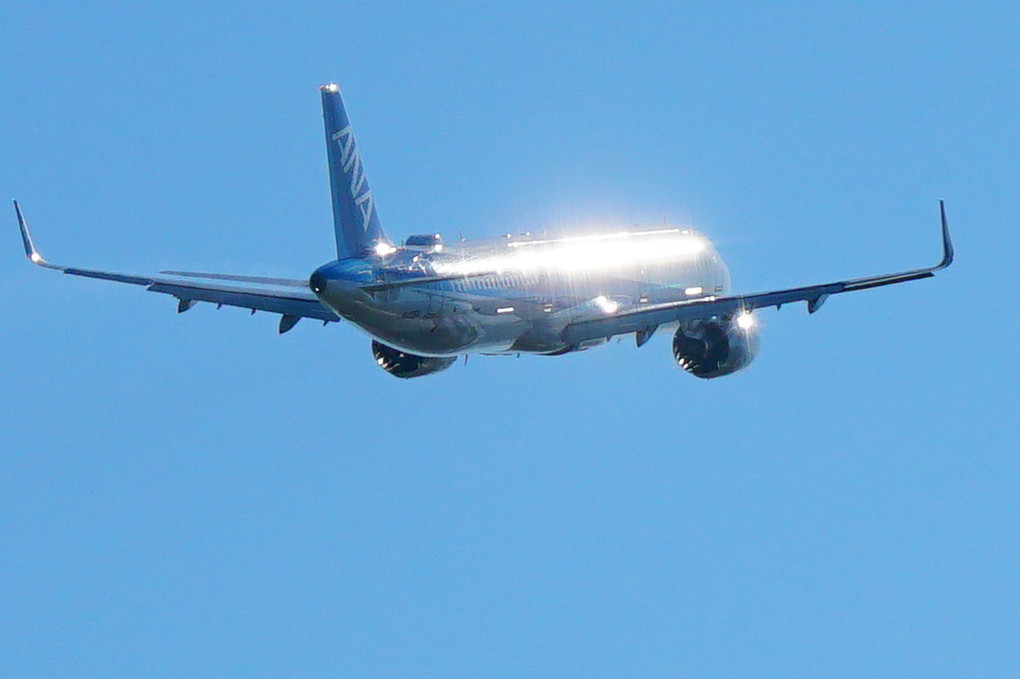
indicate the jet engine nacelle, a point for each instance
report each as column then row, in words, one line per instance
column 404, row 365
column 713, row 348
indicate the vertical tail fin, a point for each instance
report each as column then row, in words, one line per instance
column 354, row 215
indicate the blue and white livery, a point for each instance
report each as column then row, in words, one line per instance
column 426, row 302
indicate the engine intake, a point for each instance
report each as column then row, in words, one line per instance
column 404, row 365
column 714, row 348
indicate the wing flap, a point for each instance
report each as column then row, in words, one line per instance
column 298, row 305
column 103, row 275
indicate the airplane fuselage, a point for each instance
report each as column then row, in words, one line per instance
column 515, row 293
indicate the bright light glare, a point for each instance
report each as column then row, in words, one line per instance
column 746, row 320
column 607, row 305
column 383, row 249
column 587, row 253
column 36, row 258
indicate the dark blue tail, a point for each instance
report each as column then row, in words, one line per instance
column 354, row 215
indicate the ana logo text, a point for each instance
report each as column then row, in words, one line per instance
column 350, row 161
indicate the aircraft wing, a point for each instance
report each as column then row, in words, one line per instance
column 292, row 299
column 647, row 318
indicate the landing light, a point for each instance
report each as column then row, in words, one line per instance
column 383, row 249
column 745, row 320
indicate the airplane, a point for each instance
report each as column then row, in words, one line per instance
column 426, row 302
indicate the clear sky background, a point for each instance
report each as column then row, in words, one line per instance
column 196, row 496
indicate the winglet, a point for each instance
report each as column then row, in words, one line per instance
column 947, row 242
column 26, row 238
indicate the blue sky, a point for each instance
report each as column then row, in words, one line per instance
column 194, row 495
